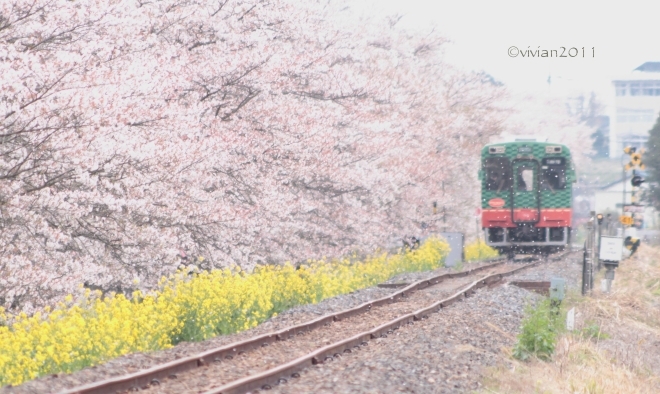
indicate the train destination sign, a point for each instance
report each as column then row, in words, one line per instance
column 634, row 208
column 554, row 161
column 611, row 248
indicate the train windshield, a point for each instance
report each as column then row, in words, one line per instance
column 553, row 174
column 498, row 173
column 525, row 173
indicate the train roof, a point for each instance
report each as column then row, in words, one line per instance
column 522, row 142
column 517, row 148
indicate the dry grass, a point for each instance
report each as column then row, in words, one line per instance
column 615, row 347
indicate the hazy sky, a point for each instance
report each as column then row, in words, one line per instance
column 624, row 36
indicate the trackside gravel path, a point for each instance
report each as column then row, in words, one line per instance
column 446, row 353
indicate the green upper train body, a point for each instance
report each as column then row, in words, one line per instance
column 526, row 193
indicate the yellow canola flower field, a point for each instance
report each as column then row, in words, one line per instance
column 187, row 307
column 478, row 250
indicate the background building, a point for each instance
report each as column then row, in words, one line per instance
column 636, row 107
column 609, row 201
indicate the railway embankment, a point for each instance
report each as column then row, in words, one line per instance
column 465, row 347
column 614, row 346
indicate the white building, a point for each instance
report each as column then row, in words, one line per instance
column 636, row 107
column 609, row 198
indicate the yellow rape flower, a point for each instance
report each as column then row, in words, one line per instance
column 185, row 308
column 478, row 250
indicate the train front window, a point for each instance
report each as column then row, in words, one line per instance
column 498, row 173
column 525, row 179
column 553, row 174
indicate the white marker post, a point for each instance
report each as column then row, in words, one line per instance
column 570, row 319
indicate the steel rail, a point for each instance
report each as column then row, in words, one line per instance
column 280, row 374
column 145, row 377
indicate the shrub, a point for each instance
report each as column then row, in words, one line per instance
column 538, row 335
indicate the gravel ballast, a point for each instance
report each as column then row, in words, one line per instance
column 442, row 354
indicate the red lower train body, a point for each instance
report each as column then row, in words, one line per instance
column 527, row 230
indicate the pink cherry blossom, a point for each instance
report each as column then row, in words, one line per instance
column 138, row 134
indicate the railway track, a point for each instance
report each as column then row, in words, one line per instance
column 273, row 358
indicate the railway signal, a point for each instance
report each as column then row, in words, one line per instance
column 637, row 181
column 635, row 158
column 629, row 150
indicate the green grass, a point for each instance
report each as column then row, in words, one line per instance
column 593, row 331
column 579, row 235
column 540, row 328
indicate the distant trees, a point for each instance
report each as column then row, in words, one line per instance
column 590, row 112
column 601, row 124
column 652, row 161
column 601, row 137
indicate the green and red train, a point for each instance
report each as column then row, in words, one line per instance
column 526, row 194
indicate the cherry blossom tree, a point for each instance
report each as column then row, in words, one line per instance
column 548, row 118
column 137, row 136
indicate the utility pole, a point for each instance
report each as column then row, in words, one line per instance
column 623, row 201
column 592, row 235
column 588, row 257
column 599, row 221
